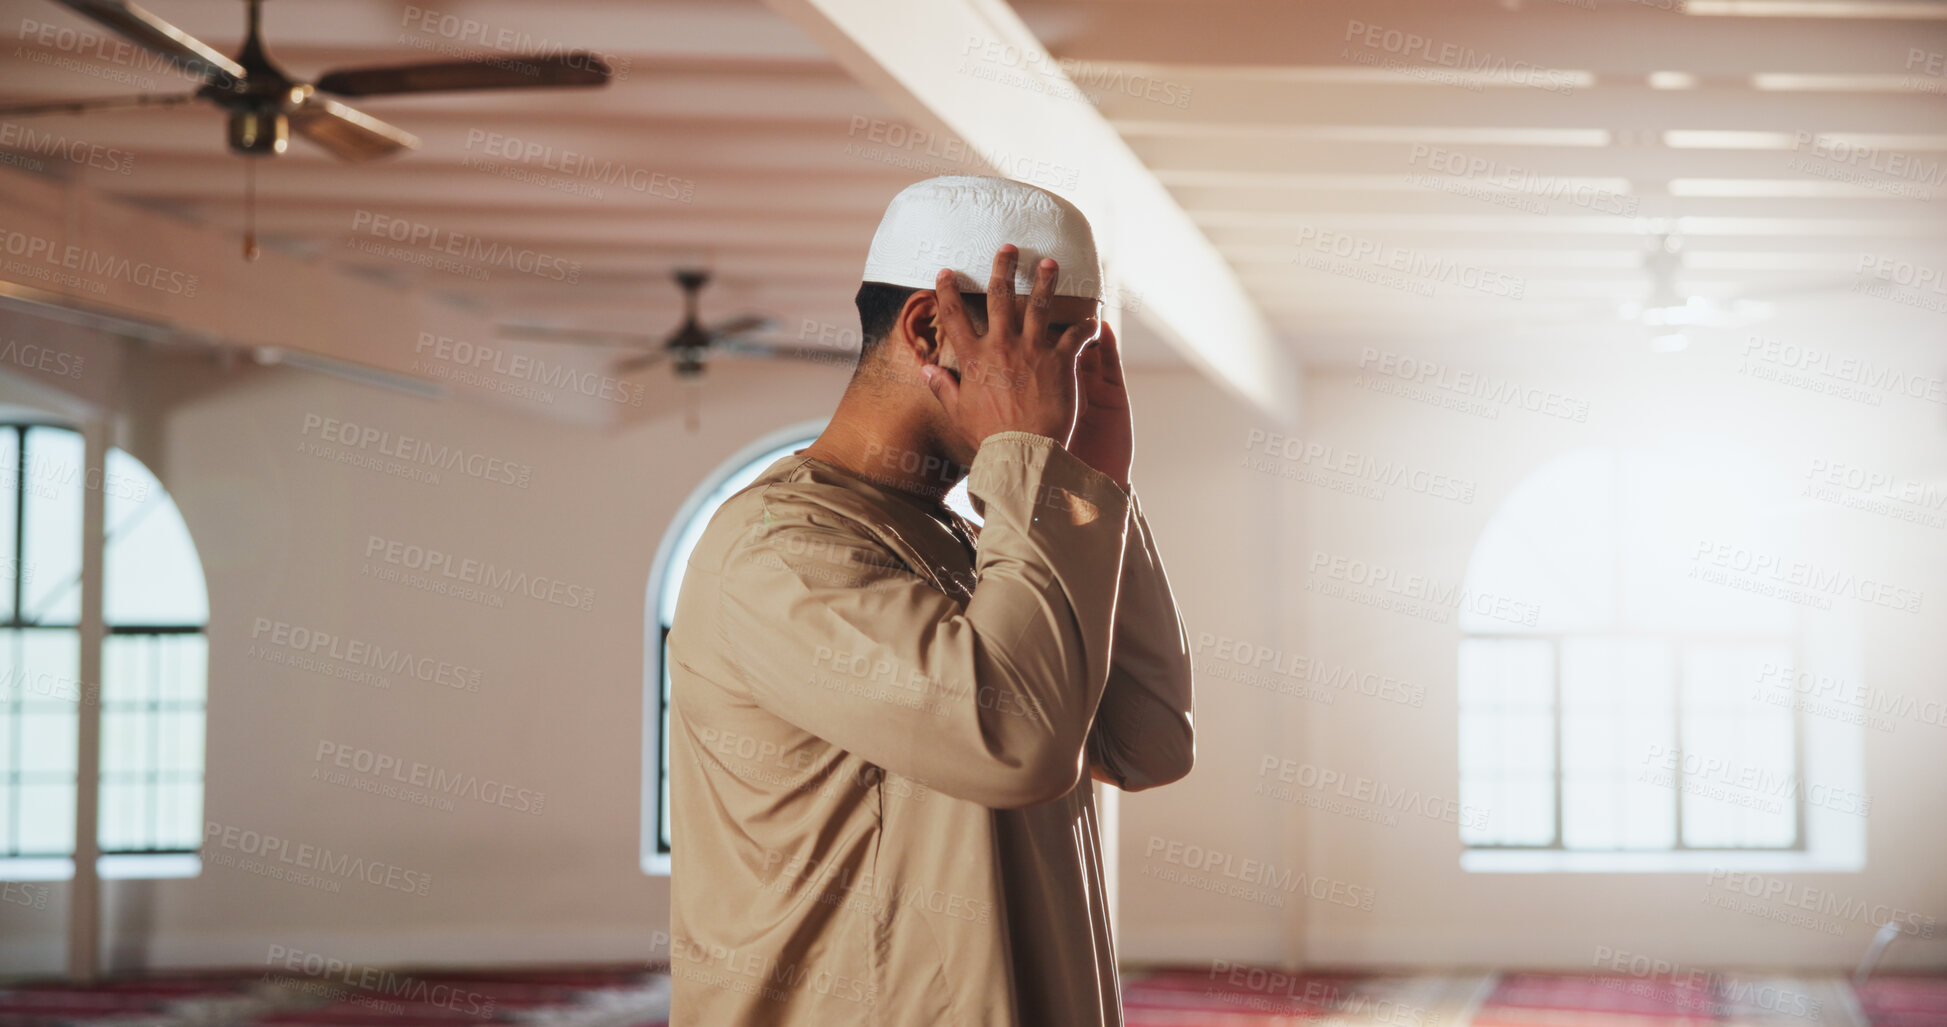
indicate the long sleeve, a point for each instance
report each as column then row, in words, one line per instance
column 1143, row 735
column 989, row 701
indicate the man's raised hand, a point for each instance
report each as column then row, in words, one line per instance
column 1013, row 378
column 1104, row 435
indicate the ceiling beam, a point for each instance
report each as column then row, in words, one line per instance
column 911, row 55
column 70, row 249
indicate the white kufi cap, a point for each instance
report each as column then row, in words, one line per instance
column 958, row 221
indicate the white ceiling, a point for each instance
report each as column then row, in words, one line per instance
column 1284, row 130
column 1531, row 146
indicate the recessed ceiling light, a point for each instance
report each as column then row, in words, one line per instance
column 1778, row 188
column 1791, row 82
column 1726, row 139
column 1900, row 9
column 1672, row 80
column 1369, row 133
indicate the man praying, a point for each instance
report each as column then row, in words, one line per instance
column 884, row 718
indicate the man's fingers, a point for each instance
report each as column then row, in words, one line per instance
column 1035, row 325
column 1111, row 354
column 945, row 389
column 1088, row 367
column 953, row 313
column 1078, row 333
column 1000, row 291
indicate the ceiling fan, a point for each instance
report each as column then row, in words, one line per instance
column 265, row 104
column 688, row 347
column 1666, row 312
column 691, row 344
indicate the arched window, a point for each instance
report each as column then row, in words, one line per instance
column 1623, row 710
column 665, row 581
column 154, row 661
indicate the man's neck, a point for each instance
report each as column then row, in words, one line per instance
column 887, row 448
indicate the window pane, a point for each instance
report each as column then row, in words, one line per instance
column 46, row 819
column 188, row 677
column 1551, row 545
column 122, row 824
column 179, row 815
column 1741, row 783
column 47, row 746
column 126, row 739
column 152, row 744
column 180, row 743
column 52, row 549
column 1682, row 504
column 38, row 724
column 48, row 661
column 9, row 515
column 1618, row 722
column 151, row 574
column 1507, row 733
column 664, row 745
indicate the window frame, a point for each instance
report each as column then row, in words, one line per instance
column 1679, row 644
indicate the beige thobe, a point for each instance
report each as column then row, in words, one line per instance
column 880, row 745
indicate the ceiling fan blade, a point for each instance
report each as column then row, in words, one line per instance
column 584, row 336
column 348, row 133
column 103, row 103
column 637, row 363
column 514, row 72
column 744, row 325
column 139, row 26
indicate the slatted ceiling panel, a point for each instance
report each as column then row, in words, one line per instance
column 1339, row 116
column 1287, row 123
column 1272, row 160
column 295, row 181
column 1265, row 104
column 724, row 94
column 1617, row 37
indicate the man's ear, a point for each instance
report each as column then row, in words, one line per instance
column 918, row 327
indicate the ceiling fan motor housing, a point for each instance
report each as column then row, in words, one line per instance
column 258, row 132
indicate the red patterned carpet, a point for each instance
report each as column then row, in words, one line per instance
column 632, row 996
column 1220, row 996
column 1905, row 1001
column 1694, row 998
column 1225, row 995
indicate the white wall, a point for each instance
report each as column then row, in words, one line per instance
column 1240, row 541
column 283, row 536
column 1223, row 534
column 1427, row 910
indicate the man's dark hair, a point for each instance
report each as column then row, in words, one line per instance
column 879, row 306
